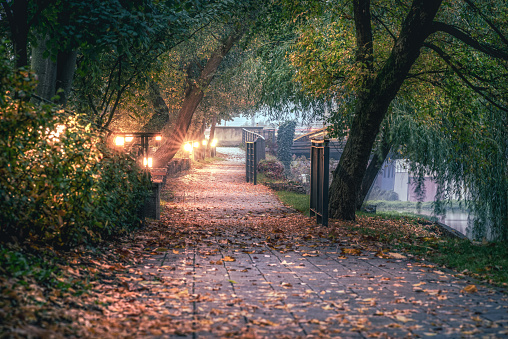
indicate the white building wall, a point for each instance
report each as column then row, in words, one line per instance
column 401, row 185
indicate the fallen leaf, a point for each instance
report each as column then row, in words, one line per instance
column 351, row 251
column 396, row 255
column 228, row 258
column 469, row 289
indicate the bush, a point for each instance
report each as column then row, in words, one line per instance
column 272, row 169
column 378, row 194
column 59, row 183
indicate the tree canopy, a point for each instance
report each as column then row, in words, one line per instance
column 418, row 75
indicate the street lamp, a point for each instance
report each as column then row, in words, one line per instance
column 187, row 147
column 122, row 138
column 148, row 162
column 119, row 141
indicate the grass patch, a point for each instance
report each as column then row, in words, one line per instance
column 200, row 163
column 300, row 202
column 386, row 206
column 420, row 238
column 394, row 215
column 486, row 261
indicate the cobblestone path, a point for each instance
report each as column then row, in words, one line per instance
column 236, row 263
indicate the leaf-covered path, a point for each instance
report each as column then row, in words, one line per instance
column 228, row 260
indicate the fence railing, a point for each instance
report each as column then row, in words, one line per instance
column 254, row 152
column 249, row 136
column 251, row 162
column 319, row 177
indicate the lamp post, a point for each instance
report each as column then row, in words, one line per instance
column 123, row 138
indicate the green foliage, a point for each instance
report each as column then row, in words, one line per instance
column 58, row 182
column 285, row 136
column 272, row 169
column 17, row 264
column 480, row 260
column 464, row 148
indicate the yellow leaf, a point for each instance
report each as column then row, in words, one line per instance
column 351, row 251
column 228, row 258
column 396, row 255
column 469, row 289
column 402, row 318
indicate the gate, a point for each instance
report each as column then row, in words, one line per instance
column 319, row 176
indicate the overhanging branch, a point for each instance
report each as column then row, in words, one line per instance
column 469, row 40
column 447, row 59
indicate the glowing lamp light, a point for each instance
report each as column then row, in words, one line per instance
column 204, row 142
column 187, row 147
column 119, row 141
column 214, row 142
column 129, row 139
column 196, row 144
column 158, row 137
column 148, row 162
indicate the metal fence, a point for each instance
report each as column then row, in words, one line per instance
column 319, row 176
column 254, row 152
column 251, row 162
column 249, row 136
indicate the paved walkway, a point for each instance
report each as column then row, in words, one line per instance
column 233, row 262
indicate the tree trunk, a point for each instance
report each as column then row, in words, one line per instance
column 212, row 128
column 45, row 69
column 17, row 16
column 373, row 102
column 161, row 116
column 212, row 135
column 193, row 96
column 66, row 65
column 53, row 75
column 373, row 169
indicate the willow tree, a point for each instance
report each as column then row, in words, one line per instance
column 374, row 57
column 428, row 25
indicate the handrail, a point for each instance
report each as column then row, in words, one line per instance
column 250, row 136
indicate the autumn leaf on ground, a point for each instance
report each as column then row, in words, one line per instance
column 469, row 289
column 286, row 285
column 228, row 258
column 396, row 255
column 351, row 251
column 402, row 318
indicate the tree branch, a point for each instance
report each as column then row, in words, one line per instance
column 364, row 39
column 469, row 40
column 490, row 23
column 385, row 27
column 447, row 59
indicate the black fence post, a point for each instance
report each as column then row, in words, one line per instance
column 255, row 150
column 319, row 177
